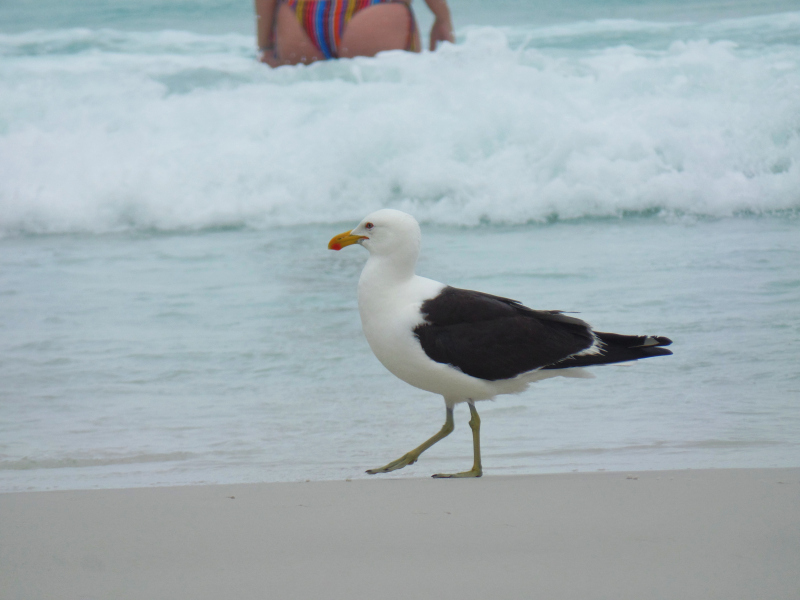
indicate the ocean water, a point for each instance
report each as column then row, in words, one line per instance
column 169, row 312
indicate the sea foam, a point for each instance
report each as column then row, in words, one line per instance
column 103, row 130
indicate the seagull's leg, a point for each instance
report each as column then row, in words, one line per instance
column 411, row 457
column 475, row 425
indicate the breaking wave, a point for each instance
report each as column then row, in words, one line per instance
column 104, row 130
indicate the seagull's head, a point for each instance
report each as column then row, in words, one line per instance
column 384, row 232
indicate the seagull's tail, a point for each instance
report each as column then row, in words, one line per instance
column 616, row 348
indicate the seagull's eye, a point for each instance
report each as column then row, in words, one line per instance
column 369, row 226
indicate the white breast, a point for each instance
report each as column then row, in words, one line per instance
column 390, row 311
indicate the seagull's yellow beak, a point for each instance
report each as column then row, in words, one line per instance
column 344, row 239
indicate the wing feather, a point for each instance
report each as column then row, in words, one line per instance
column 494, row 338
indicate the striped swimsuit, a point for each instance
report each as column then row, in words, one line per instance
column 324, row 21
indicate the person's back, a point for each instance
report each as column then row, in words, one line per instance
column 303, row 31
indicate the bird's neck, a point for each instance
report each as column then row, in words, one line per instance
column 381, row 279
column 397, row 266
column 387, row 271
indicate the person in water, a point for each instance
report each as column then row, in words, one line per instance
column 303, row 31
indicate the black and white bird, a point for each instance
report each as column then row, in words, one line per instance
column 465, row 345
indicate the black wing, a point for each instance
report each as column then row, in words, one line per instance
column 493, row 338
column 618, row 348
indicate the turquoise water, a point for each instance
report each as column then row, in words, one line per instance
column 169, row 312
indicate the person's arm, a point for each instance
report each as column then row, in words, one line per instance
column 442, row 30
column 265, row 15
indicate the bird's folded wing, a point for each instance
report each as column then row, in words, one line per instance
column 494, row 338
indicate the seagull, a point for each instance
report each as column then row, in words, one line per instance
column 462, row 344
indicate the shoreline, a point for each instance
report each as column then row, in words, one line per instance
column 705, row 533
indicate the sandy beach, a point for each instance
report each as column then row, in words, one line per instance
column 701, row 534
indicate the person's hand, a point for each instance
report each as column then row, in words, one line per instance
column 442, row 31
column 268, row 57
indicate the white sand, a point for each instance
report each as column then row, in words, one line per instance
column 705, row 534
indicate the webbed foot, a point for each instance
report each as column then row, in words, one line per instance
column 407, row 459
column 410, row 458
column 471, row 473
